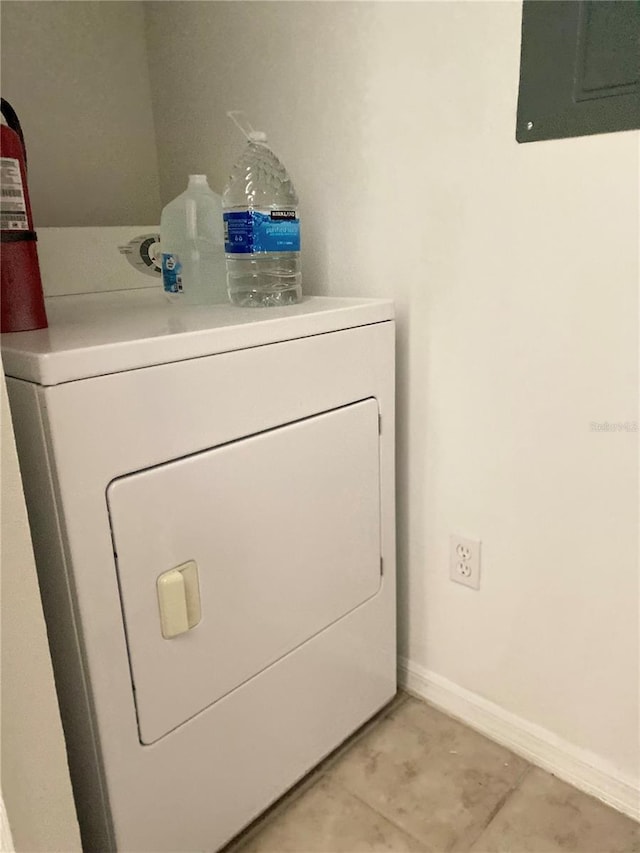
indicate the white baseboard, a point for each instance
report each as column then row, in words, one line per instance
column 541, row 747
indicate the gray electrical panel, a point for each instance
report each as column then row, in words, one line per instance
column 579, row 68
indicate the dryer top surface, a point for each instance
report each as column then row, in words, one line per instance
column 102, row 333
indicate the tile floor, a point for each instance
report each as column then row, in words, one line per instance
column 416, row 780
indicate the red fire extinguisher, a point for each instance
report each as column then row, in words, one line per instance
column 21, row 298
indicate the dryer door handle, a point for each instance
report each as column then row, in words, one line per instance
column 179, row 600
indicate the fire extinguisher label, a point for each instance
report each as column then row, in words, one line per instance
column 13, row 208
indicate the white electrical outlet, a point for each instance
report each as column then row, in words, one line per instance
column 464, row 561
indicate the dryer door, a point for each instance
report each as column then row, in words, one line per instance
column 284, row 529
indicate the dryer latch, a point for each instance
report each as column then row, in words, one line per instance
column 179, row 600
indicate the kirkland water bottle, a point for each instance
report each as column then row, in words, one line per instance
column 261, row 227
column 192, row 244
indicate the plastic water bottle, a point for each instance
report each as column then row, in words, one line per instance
column 192, row 244
column 261, row 226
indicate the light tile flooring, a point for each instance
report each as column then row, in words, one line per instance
column 416, row 780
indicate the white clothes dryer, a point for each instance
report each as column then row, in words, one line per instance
column 211, row 499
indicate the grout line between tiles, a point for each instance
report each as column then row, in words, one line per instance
column 500, row 805
column 494, row 812
column 388, row 819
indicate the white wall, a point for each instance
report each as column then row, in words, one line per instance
column 76, row 74
column 515, row 272
column 35, row 776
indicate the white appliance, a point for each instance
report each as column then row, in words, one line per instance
column 211, row 498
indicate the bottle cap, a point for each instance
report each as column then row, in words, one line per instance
column 197, row 179
column 258, row 136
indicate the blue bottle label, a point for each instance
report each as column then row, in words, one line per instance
column 249, row 231
column 171, row 273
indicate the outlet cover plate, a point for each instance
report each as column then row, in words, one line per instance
column 464, row 561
